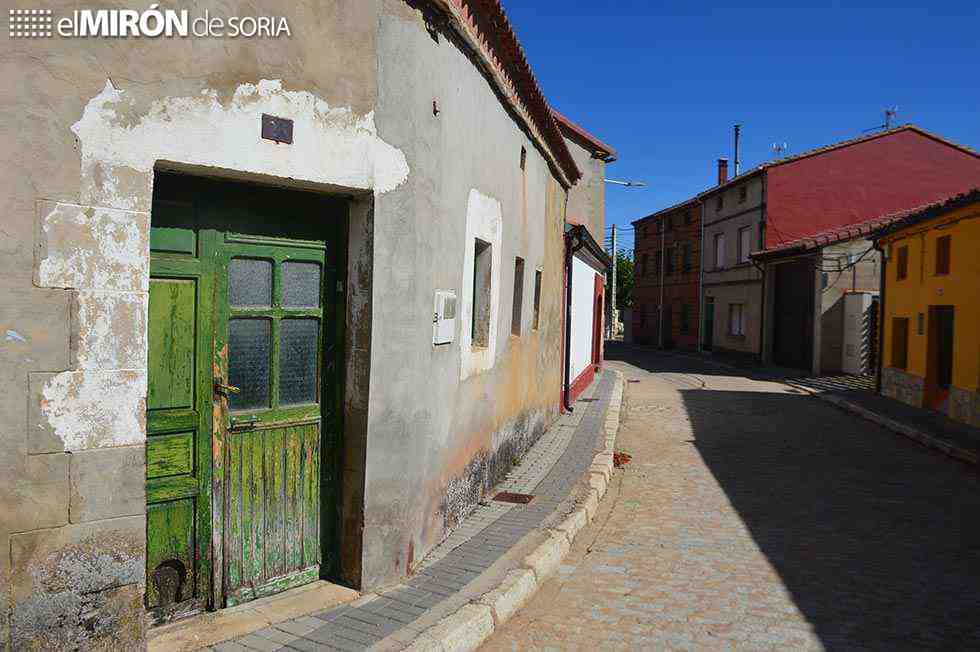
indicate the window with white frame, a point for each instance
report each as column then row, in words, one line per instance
column 719, row 251
column 736, row 319
column 482, row 279
column 744, row 243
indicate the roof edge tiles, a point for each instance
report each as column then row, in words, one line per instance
column 484, row 27
column 578, row 133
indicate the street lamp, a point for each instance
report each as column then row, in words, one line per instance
column 611, row 303
column 628, row 184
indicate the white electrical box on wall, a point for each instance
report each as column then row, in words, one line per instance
column 444, row 317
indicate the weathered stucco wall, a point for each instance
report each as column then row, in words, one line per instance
column 587, row 198
column 87, row 121
column 437, row 442
column 427, row 429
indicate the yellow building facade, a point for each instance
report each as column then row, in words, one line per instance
column 931, row 315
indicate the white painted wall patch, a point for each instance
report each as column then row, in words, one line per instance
column 94, row 409
column 332, row 145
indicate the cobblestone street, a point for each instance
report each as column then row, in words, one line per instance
column 753, row 516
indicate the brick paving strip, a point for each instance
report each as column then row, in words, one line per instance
column 493, row 563
column 959, row 441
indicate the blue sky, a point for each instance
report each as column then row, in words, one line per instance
column 663, row 83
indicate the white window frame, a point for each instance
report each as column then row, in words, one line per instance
column 719, row 251
column 744, row 243
column 736, row 319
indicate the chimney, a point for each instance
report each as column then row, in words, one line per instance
column 722, row 170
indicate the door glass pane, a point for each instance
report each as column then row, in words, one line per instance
column 300, row 285
column 248, row 362
column 250, row 282
column 298, row 360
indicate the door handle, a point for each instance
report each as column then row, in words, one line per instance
column 221, row 388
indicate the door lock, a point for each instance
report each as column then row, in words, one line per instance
column 221, row 388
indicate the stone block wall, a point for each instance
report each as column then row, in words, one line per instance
column 77, row 542
column 964, row 405
column 902, row 386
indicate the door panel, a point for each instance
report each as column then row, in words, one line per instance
column 793, row 299
column 939, row 362
column 271, row 319
column 709, row 324
column 178, row 509
column 273, row 509
column 242, row 404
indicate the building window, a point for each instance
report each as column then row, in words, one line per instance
column 942, row 254
column 743, row 194
column 685, row 317
column 643, row 314
column 719, row 251
column 523, row 158
column 900, row 342
column 643, row 231
column 719, row 203
column 687, row 257
column 643, row 264
column 688, row 216
column 669, row 261
column 480, row 326
column 668, row 224
column 656, row 262
column 517, row 315
column 744, row 243
column 537, row 299
column 736, row 319
column 902, row 263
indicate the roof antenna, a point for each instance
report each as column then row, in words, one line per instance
column 891, row 113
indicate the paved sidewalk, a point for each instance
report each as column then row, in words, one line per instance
column 464, row 566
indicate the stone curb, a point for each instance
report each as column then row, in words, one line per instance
column 916, row 435
column 472, row 624
column 962, row 454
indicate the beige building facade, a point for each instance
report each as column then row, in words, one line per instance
column 732, row 217
column 212, row 245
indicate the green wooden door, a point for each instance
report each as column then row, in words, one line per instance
column 269, row 339
column 243, row 402
column 179, row 415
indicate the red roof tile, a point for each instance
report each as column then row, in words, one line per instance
column 867, row 228
column 834, row 146
column 580, row 135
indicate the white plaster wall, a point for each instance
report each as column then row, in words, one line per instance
column 583, row 306
column 331, row 145
column 856, row 334
column 484, row 221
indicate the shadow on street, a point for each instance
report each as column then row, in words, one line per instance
column 876, row 538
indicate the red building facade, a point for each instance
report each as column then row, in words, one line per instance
column 667, row 277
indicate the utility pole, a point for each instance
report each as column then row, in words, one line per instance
column 660, row 311
column 611, row 302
